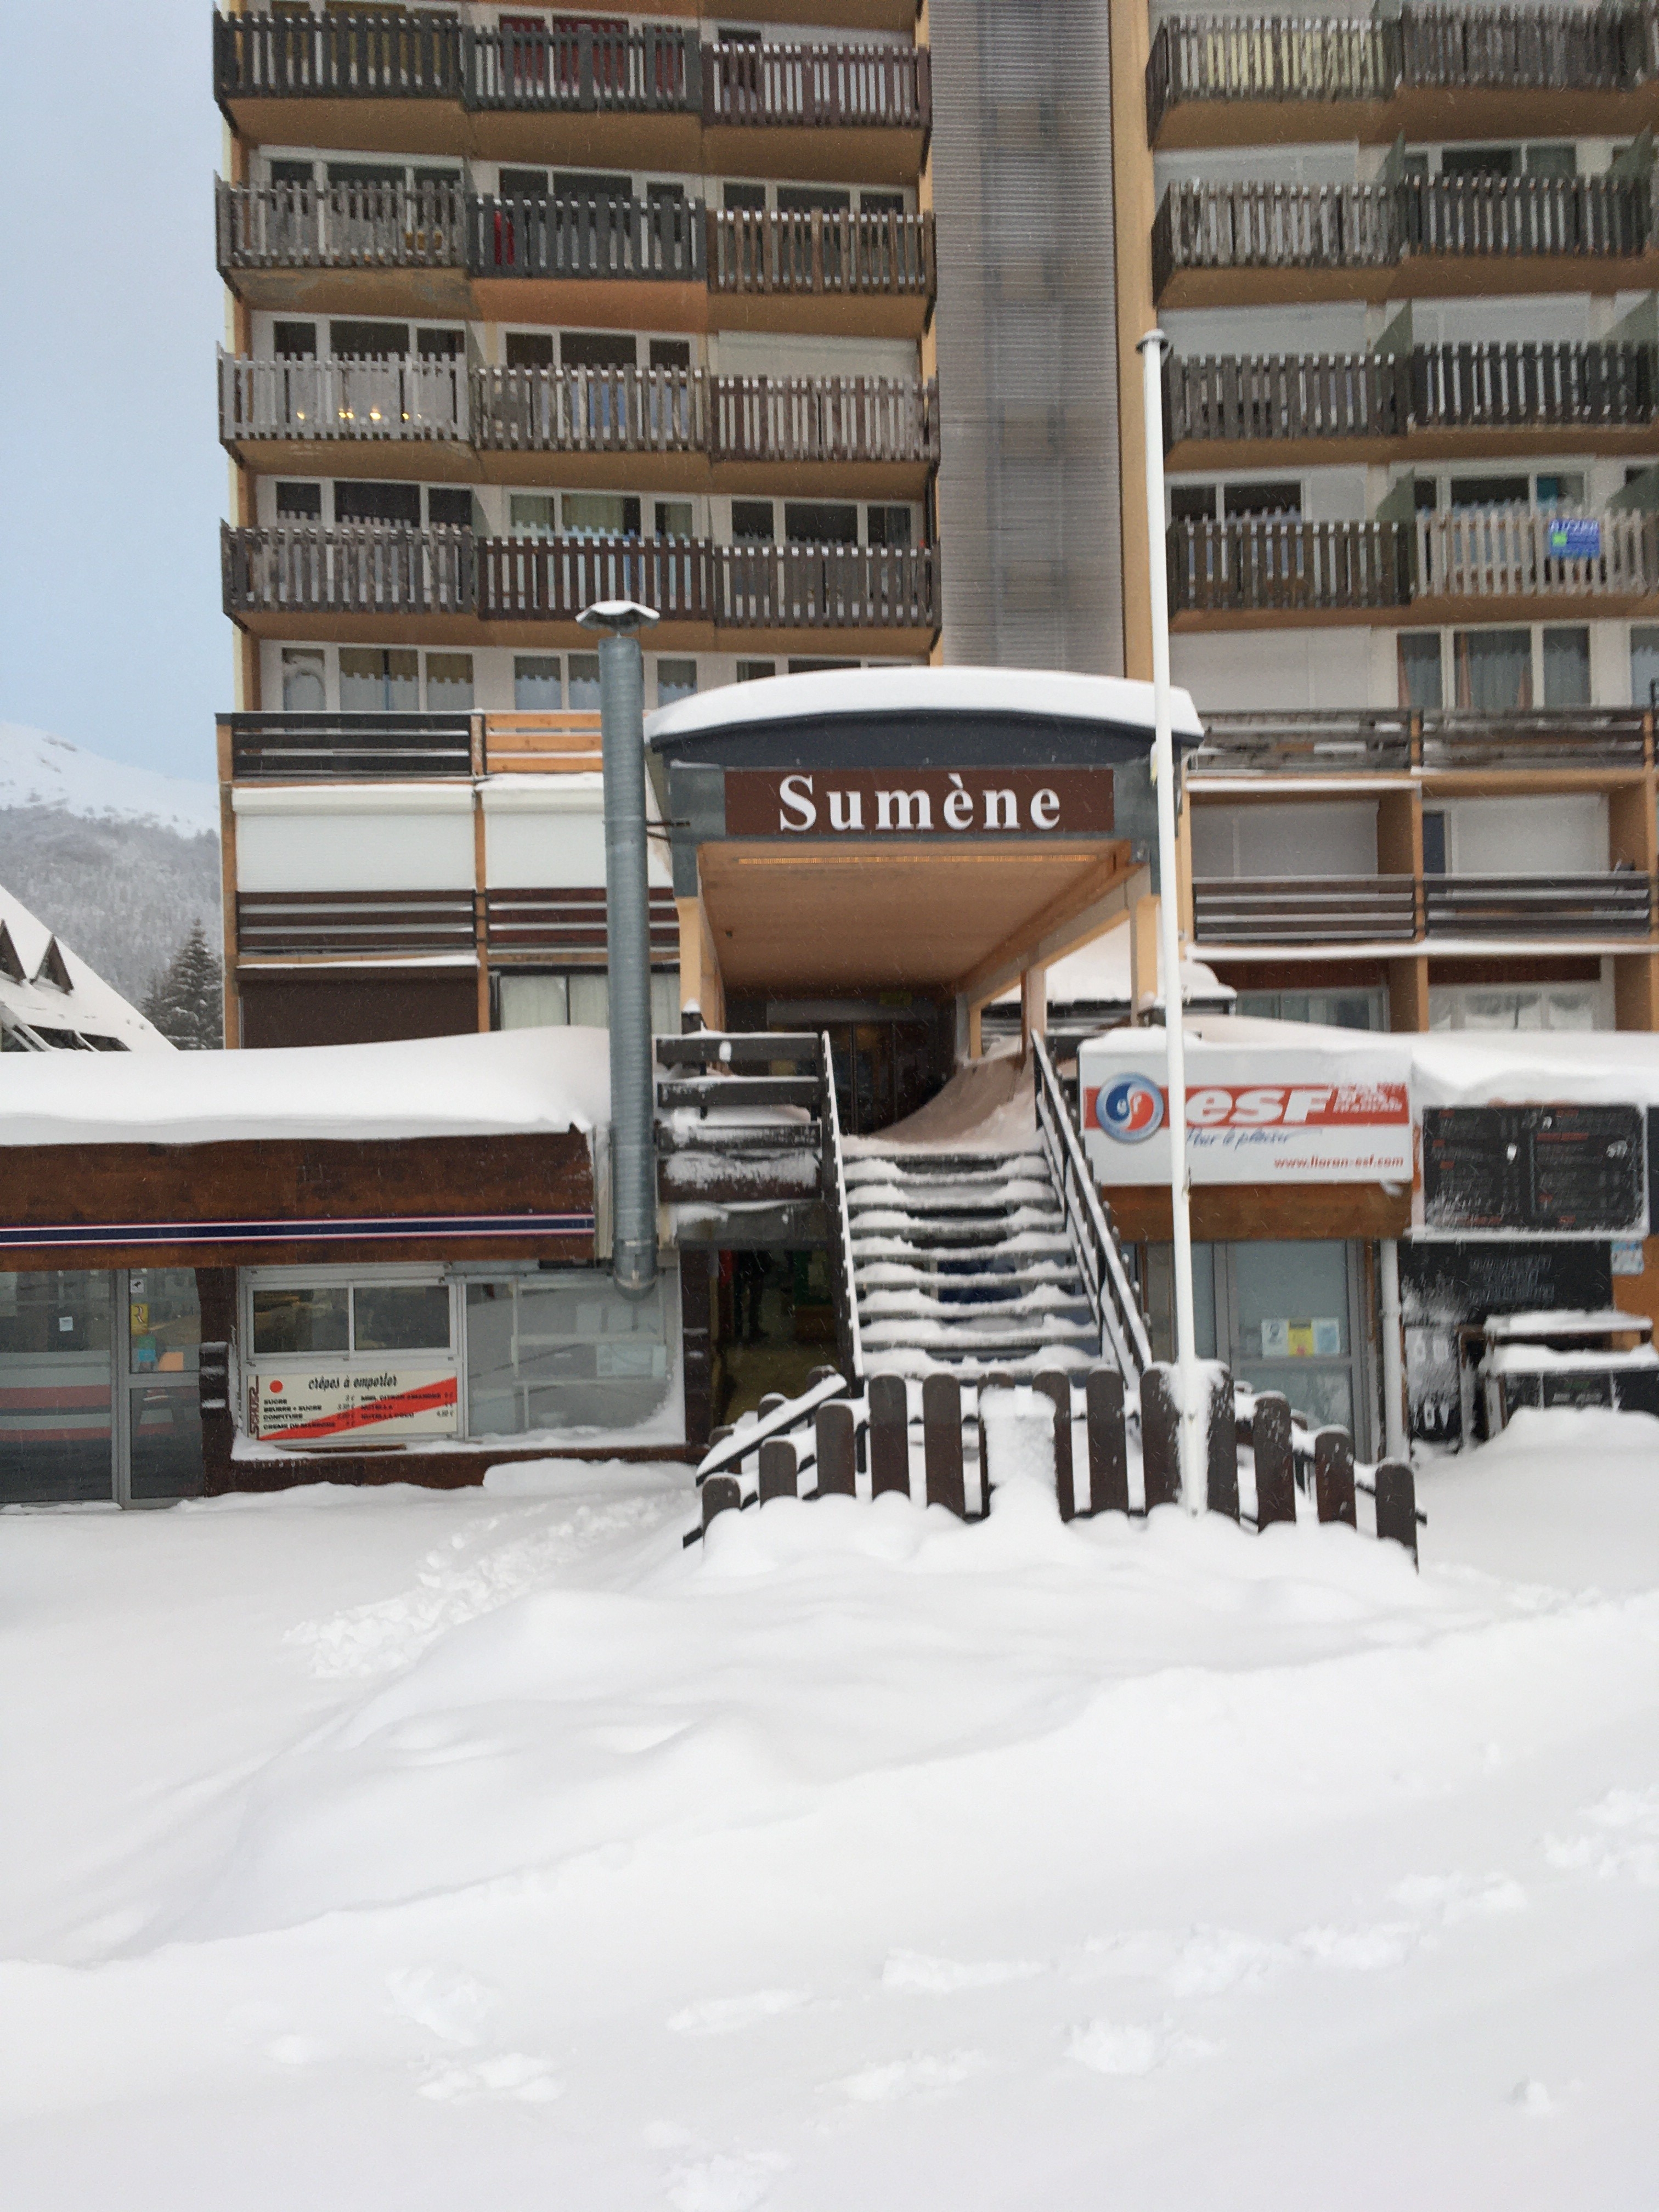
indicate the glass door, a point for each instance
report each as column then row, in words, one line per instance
column 161, row 1432
column 57, row 1434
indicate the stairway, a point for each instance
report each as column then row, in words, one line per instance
column 962, row 1263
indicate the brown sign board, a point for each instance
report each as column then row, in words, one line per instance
column 938, row 803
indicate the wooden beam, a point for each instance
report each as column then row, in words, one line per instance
column 1143, row 958
column 1102, row 900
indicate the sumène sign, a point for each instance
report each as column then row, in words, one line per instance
column 330, row 1407
column 918, row 802
column 1255, row 1113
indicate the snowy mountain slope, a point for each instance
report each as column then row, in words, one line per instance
column 38, row 770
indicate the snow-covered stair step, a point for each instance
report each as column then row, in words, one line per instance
column 917, row 1247
column 983, row 1223
column 941, row 1273
column 947, row 1167
column 965, row 1199
column 916, row 1363
column 1050, row 1299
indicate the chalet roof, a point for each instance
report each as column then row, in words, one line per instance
column 46, row 985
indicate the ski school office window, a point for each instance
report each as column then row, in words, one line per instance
column 341, row 1358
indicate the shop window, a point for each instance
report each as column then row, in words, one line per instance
column 584, row 682
column 752, row 521
column 400, row 1317
column 395, row 503
column 1338, row 1010
column 449, row 506
column 305, row 690
column 449, row 682
column 1418, row 661
column 1644, row 665
column 1493, row 670
column 530, row 350
column 301, row 1320
column 368, row 341
column 565, row 1351
column 1566, row 668
column 601, row 514
column 820, row 522
column 1291, row 1326
column 373, row 682
column 298, row 503
column 676, row 679
column 673, row 518
column 536, row 686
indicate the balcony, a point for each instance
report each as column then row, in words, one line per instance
column 1462, row 562
column 873, row 103
column 1343, row 745
column 399, row 924
column 1216, row 80
column 1384, row 910
column 764, row 267
column 586, row 236
column 357, row 401
column 1285, row 399
column 351, row 748
column 1226, row 243
column 379, row 569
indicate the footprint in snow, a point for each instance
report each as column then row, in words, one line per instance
column 451, row 2006
column 919, row 2076
column 914, row 1974
column 725, row 2015
column 507, row 2074
column 1130, row 2048
column 725, row 2183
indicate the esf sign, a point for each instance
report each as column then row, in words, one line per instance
column 1252, row 1115
column 918, row 802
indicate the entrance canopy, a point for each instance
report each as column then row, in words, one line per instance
column 937, row 828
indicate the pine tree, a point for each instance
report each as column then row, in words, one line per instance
column 186, row 1000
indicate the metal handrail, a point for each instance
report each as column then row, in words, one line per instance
column 1117, row 1309
column 841, row 1224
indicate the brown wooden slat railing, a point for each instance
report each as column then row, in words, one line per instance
column 1306, row 743
column 825, row 587
column 818, row 87
column 340, row 227
column 338, row 57
column 1486, row 387
column 364, row 399
column 1617, row 904
column 1530, row 48
column 1304, row 910
column 570, row 922
column 301, row 748
column 553, row 579
column 1266, row 562
column 1509, row 552
column 1459, row 215
column 583, row 67
column 352, row 568
column 883, row 253
column 824, row 418
column 591, row 410
column 1559, row 737
column 1266, row 58
column 586, row 235
column 403, row 922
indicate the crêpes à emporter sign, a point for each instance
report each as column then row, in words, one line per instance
column 940, row 803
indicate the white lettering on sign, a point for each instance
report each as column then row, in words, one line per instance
column 958, row 809
column 1001, row 811
column 957, row 803
column 846, row 809
column 903, row 810
column 795, row 798
column 1045, row 808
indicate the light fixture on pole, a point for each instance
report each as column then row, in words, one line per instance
column 1193, row 1471
column 628, row 938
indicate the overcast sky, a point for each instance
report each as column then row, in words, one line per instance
column 110, row 629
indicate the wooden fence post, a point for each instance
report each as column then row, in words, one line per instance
column 995, row 1380
column 941, row 1437
column 1275, row 1468
column 1160, row 1451
column 1396, row 1503
column 1056, row 1387
column 836, row 1455
column 769, row 1404
column 777, row 1469
column 1221, row 1445
column 1108, row 1442
column 1333, row 1476
column 721, row 1493
column 890, row 1436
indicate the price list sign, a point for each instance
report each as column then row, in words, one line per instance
column 1561, row 1169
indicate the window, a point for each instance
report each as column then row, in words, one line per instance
column 449, row 682
column 676, row 679
column 1493, row 669
column 673, row 518
column 305, row 690
column 755, row 671
column 378, row 502
column 582, row 999
column 449, row 506
column 1480, row 162
column 359, row 341
column 811, row 665
column 745, row 199
column 440, row 345
column 1281, row 497
column 1557, row 161
column 531, row 513
column 523, row 184
column 1490, row 491
column 597, row 350
column 813, row 199
column 670, row 353
column 1566, row 668
column 530, row 350
column 1192, row 502
column 565, row 1351
column 400, row 1317
column 1524, row 1006
column 888, row 525
column 874, row 203
column 293, row 340
column 601, row 514
column 301, row 1320
column 751, row 521
column 536, row 686
column 1560, row 490
column 1434, row 843
column 1418, row 657
column 584, row 682
column 1644, row 665
column 820, row 522
column 1362, row 1009
column 589, row 184
column 298, row 503
column 533, row 1002
column 376, row 682
column 298, row 176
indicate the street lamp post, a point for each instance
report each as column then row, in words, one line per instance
column 1194, row 1472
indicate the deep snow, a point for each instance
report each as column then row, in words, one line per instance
column 408, row 1850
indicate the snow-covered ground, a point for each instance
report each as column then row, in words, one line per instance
column 419, row 1851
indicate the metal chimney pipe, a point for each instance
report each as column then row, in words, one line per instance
column 628, row 928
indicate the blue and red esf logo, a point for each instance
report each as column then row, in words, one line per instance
column 1130, row 1109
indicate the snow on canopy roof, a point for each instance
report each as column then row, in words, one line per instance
column 508, row 1083
column 1100, row 970
column 1114, row 700
column 90, row 1006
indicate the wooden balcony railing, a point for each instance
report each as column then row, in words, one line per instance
column 352, row 226
column 753, row 252
column 1485, row 386
column 1517, row 552
column 377, row 568
column 1385, row 742
column 824, row 418
column 569, row 922
column 338, row 57
column 401, row 922
column 818, row 87
column 584, row 67
column 1617, row 904
column 591, row 410
column 358, row 399
column 352, row 748
column 1551, row 49
column 1261, row 562
column 587, row 235
column 1277, row 226
column 1304, row 910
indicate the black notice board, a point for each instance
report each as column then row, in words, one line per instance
column 1568, row 1169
